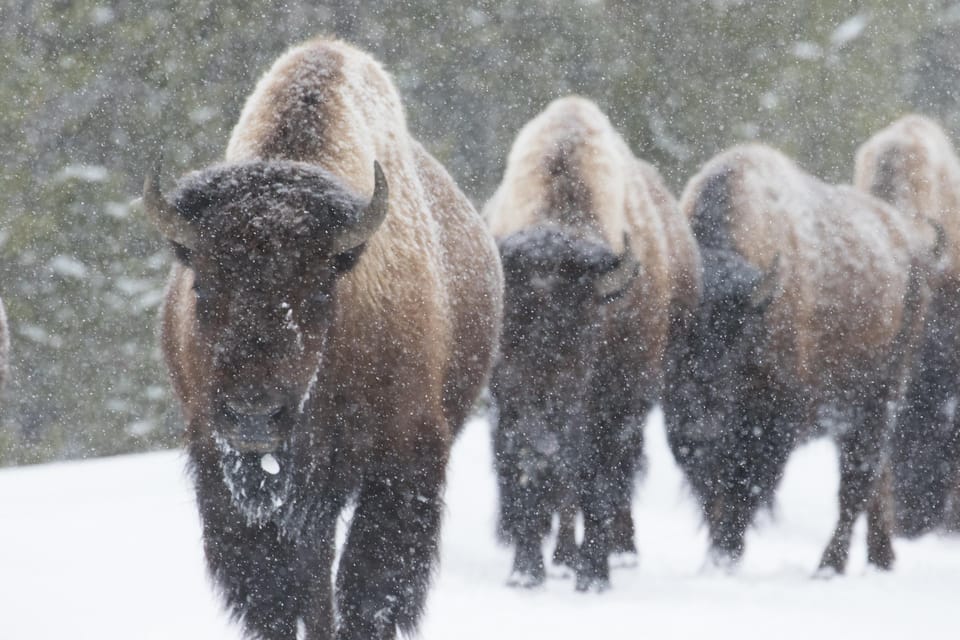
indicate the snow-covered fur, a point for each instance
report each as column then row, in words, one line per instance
column 912, row 165
column 813, row 300
column 324, row 350
column 597, row 263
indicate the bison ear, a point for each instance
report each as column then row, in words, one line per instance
column 614, row 281
column 767, row 288
column 369, row 218
column 164, row 214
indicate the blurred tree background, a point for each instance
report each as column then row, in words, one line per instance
column 90, row 88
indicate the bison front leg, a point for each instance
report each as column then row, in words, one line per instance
column 526, row 527
column 566, row 551
column 599, row 497
column 528, row 494
column 254, row 567
column 862, row 452
column 391, row 547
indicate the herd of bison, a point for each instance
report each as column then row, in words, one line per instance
column 337, row 305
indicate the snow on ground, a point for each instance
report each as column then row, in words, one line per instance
column 110, row 548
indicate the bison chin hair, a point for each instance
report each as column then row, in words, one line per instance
column 258, row 493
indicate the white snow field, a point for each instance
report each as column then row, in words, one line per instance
column 110, row 548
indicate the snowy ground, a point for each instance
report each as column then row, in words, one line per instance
column 111, row 549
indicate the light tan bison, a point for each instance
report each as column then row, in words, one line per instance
column 912, row 165
column 813, row 300
column 328, row 324
column 598, row 263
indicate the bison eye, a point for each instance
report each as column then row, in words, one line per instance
column 181, row 253
column 345, row 261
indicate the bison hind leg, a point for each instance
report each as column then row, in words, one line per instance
column 862, row 485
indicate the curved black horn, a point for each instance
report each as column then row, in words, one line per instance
column 168, row 220
column 369, row 219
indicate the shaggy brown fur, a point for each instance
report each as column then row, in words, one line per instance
column 573, row 188
column 911, row 164
column 352, row 366
column 813, row 298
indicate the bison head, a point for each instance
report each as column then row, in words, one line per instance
column 556, row 291
column 266, row 244
column 718, row 395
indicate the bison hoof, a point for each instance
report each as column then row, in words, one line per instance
column 525, row 580
column 592, row 584
column 720, row 562
column 881, row 555
column 825, row 573
column 624, row 560
column 566, row 556
column 832, row 563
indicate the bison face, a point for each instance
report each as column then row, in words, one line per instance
column 714, row 403
column 266, row 244
column 556, row 291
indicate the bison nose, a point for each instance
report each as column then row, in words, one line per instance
column 253, row 429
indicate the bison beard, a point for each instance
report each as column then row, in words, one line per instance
column 259, row 495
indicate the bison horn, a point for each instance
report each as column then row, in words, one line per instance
column 370, row 217
column 168, row 220
column 767, row 286
column 614, row 282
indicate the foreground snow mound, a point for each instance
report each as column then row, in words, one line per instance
column 111, row 548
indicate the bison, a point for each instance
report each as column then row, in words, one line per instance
column 911, row 164
column 327, row 325
column 597, row 264
column 813, row 298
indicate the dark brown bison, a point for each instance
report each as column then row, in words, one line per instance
column 597, row 261
column 911, row 164
column 328, row 326
column 813, row 300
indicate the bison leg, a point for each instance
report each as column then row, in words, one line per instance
column 566, row 551
column 255, row 569
column 622, row 543
column 609, row 452
column 525, row 519
column 880, row 521
column 861, row 456
column 920, row 484
column 390, row 550
column 593, row 569
column 526, row 486
column 630, row 460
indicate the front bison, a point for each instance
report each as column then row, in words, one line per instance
column 813, row 299
column 328, row 325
